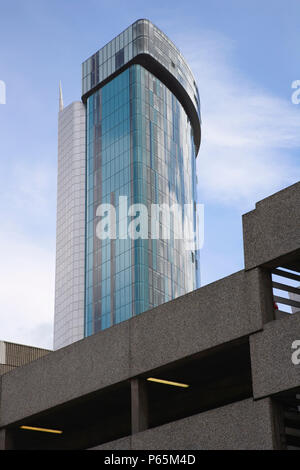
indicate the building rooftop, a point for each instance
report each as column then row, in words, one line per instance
column 145, row 44
column 15, row 355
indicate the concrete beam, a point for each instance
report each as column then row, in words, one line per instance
column 61, row 376
column 6, row 442
column 119, row 444
column 215, row 314
column 139, row 405
column 272, row 230
column 245, row 425
column 271, row 357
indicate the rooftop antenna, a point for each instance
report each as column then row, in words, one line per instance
column 61, row 102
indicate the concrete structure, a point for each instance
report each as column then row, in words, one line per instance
column 140, row 119
column 224, row 341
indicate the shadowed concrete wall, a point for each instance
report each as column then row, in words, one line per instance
column 119, row 444
column 271, row 352
column 272, row 230
column 217, row 313
column 65, row 374
column 2, row 439
column 241, row 426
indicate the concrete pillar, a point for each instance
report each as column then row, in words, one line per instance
column 279, row 428
column 5, row 440
column 266, row 295
column 139, row 405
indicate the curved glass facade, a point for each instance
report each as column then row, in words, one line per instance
column 142, row 37
column 140, row 145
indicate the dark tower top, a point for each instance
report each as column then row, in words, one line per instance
column 143, row 43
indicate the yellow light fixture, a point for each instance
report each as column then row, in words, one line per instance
column 168, row 382
column 32, row 428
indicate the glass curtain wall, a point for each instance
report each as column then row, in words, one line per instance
column 139, row 145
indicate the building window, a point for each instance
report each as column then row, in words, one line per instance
column 119, row 58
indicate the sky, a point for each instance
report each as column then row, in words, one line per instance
column 244, row 55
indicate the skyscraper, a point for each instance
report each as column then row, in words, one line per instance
column 139, row 121
column 70, row 225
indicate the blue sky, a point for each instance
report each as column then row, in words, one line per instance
column 245, row 56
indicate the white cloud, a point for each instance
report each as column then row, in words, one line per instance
column 27, row 254
column 26, row 291
column 28, row 187
column 248, row 135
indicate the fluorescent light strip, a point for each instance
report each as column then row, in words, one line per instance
column 31, row 428
column 168, row 382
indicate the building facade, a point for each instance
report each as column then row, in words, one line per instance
column 14, row 355
column 70, row 226
column 142, row 138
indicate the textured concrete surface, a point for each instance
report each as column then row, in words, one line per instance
column 119, row 444
column 272, row 230
column 271, row 357
column 2, row 439
column 244, row 425
column 217, row 313
column 63, row 375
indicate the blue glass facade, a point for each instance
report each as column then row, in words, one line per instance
column 140, row 144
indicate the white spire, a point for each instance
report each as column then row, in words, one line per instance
column 61, row 102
